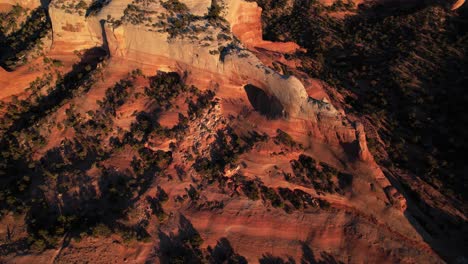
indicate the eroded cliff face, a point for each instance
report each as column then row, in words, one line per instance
column 211, row 47
column 73, row 24
column 149, row 33
column 198, row 7
column 245, row 21
column 71, row 28
column 208, row 46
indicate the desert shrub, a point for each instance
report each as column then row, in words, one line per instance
column 115, row 97
column 175, row 6
column 195, row 240
column 156, row 208
column 203, row 101
column 102, row 230
column 251, row 190
column 284, row 138
column 162, row 195
column 165, row 87
column 193, row 193
column 324, row 204
column 214, row 11
column 16, row 46
column 271, row 195
column 81, row 5
column 292, row 197
column 225, row 151
column 38, row 245
column 207, row 168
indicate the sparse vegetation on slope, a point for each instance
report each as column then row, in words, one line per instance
column 321, row 176
column 402, row 67
column 16, row 46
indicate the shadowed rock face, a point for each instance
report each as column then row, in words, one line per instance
column 263, row 103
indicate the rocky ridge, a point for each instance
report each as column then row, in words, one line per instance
column 202, row 45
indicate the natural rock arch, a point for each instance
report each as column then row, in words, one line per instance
column 263, row 103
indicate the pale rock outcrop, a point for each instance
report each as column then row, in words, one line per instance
column 31, row 4
column 245, row 21
column 71, row 26
column 78, row 30
column 210, row 48
column 244, row 18
column 197, row 7
column 134, row 43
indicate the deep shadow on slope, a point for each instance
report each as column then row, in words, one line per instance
column 405, row 69
column 263, row 103
column 15, row 47
column 224, row 253
column 415, row 83
column 21, row 176
column 14, row 163
column 96, row 6
column 183, row 247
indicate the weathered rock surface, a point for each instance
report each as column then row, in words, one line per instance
column 31, row 4
column 210, row 49
column 72, row 28
column 245, row 20
column 364, row 153
column 198, row 7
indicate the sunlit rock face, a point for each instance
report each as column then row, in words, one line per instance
column 197, row 7
column 31, row 4
column 151, row 33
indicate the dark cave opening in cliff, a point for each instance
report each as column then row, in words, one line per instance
column 263, row 103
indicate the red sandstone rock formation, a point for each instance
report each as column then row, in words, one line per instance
column 358, row 227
